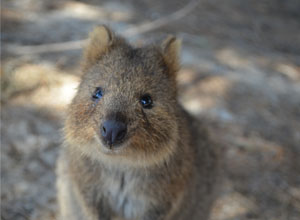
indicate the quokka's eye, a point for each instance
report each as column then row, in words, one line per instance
column 146, row 101
column 97, row 93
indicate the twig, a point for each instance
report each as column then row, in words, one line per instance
column 149, row 26
column 75, row 45
column 44, row 48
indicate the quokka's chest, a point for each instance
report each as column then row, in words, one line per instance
column 125, row 196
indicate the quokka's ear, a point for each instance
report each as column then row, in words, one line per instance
column 171, row 52
column 100, row 41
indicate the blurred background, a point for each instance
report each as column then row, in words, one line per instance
column 240, row 74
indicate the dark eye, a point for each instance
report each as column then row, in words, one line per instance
column 146, row 101
column 97, row 94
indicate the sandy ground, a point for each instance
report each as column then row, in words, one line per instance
column 241, row 75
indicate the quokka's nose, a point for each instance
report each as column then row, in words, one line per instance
column 113, row 131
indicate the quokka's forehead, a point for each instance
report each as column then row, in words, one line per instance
column 129, row 72
column 137, row 59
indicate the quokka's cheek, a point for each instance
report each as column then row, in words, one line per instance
column 79, row 132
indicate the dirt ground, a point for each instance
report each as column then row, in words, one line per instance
column 240, row 74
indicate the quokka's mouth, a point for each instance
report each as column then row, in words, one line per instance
column 109, row 148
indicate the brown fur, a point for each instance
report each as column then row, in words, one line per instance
column 165, row 168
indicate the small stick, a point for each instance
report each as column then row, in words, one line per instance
column 74, row 45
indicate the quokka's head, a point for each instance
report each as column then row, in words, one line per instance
column 125, row 107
